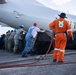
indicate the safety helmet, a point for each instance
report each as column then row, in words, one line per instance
column 63, row 15
column 21, row 26
column 35, row 24
column 8, row 30
column 14, row 30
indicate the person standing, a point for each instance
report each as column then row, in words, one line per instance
column 17, row 37
column 30, row 39
column 11, row 40
column 60, row 27
column 6, row 39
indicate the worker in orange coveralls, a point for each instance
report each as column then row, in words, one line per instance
column 60, row 27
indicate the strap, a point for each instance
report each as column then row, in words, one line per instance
column 59, row 32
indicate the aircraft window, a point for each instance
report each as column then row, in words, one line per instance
column 74, row 25
column 70, row 22
column 2, row 1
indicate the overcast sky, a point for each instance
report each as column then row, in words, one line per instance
column 68, row 6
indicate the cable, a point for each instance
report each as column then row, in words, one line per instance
column 30, row 65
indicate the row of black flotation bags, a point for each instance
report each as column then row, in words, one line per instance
column 43, row 42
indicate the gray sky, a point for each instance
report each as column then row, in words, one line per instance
column 68, row 6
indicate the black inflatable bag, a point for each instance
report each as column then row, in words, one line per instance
column 42, row 43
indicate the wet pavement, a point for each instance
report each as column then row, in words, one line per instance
column 48, row 67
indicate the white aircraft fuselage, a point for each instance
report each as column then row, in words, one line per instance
column 26, row 12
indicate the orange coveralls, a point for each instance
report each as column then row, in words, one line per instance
column 60, row 26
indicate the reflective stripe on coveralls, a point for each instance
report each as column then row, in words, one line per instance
column 69, row 30
column 57, row 49
column 58, row 52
